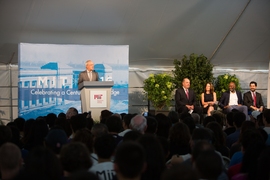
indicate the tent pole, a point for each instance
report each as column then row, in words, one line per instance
column 10, row 94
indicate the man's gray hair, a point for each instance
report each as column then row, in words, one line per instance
column 138, row 123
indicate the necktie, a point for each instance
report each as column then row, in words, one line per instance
column 90, row 75
column 254, row 99
column 187, row 93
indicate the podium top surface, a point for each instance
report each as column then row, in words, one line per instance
column 95, row 84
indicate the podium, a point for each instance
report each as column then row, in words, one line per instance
column 95, row 97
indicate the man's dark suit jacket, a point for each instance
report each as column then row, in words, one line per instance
column 181, row 99
column 225, row 99
column 248, row 100
column 84, row 76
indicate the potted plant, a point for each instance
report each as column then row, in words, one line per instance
column 222, row 83
column 158, row 89
column 198, row 69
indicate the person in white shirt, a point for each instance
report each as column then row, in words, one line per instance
column 232, row 99
column 104, row 147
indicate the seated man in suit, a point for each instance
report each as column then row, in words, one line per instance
column 253, row 100
column 232, row 99
column 89, row 74
column 185, row 99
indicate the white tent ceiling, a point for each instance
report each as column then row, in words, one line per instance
column 231, row 33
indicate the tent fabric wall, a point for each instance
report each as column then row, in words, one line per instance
column 137, row 101
column 8, row 92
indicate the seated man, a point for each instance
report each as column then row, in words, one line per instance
column 232, row 99
column 185, row 99
column 253, row 100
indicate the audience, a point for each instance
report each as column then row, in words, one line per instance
column 132, row 146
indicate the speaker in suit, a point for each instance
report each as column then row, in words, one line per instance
column 85, row 76
column 186, row 102
column 89, row 74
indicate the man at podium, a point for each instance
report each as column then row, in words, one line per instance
column 89, row 74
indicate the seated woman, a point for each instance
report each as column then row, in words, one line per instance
column 208, row 99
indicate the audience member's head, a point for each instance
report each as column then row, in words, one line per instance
column 117, row 115
column 114, row 124
column 61, row 115
column 252, row 145
column 264, row 164
column 27, row 131
column 83, row 175
column 126, row 120
column 201, row 134
column 41, row 163
column 64, row 124
column 152, row 125
column 199, row 146
column 38, row 133
column 183, row 115
column 89, row 123
column 180, row 172
column 196, row 117
column 85, row 136
column 104, row 114
column 251, row 137
column 189, row 121
column 55, row 140
column 219, row 138
column 5, row 134
column 20, row 123
column 138, row 123
column 99, row 129
column 238, row 119
column 130, row 160
column 16, row 138
column 132, row 136
column 219, row 116
column 165, row 145
column 179, row 134
column 10, row 160
column 208, row 119
column 104, row 146
column 164, row 125
column 208, row 164
column 77, row 122
column 50, row 119
column 173, row 116
column 155, row 157
column 75, row 156
column 72, row 111
column 266, row 116
column 229, row 118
